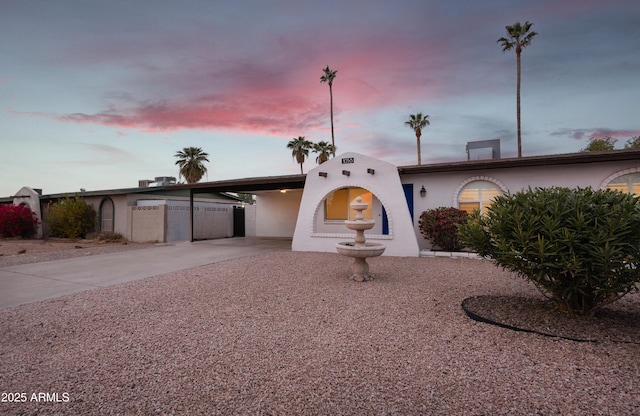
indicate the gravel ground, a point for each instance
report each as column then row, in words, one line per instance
column 289, row 333
column 14, row 252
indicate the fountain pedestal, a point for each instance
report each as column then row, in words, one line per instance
column 360, row 250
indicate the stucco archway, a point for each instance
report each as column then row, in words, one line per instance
column 339, row 230
column 351, row 170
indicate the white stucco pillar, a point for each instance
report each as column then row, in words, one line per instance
column 27, row 196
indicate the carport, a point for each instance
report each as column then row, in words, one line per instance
column 244, row 185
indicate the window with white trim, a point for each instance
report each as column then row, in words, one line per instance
column 626, row 183
column 478, row 195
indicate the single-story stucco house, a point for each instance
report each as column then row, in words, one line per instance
column 311, row 209
column 154, row 213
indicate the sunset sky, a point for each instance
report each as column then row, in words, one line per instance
column 99, row 94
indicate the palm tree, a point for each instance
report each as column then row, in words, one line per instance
column 328, row 77
column 417, row 122
column 519, row 37
column 191, row 162
column 323, row 149
column 300, row 149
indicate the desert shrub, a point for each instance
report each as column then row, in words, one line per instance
column 579, row 246
column 109, row 237
column 71, row 218
column 17, row 221
column 440, row 225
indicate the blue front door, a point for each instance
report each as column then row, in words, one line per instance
column 408, row 194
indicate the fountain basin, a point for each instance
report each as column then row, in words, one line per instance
column 349, row 249
column 359, row 225
column 358, row 205
column 359, row 252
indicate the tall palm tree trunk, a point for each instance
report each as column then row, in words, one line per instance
column 333, row 141
column 518, row 105
column 418, row 134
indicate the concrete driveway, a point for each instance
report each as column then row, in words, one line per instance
column 34, row 282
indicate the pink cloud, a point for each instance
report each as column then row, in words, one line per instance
column 597, row 133
column 275, row 116
column 275, row 90
column 272, row 98
column 602, row 133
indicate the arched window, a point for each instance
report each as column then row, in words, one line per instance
column 337, row 204
column 477, row 195
column 106, row 215
column 626, row 183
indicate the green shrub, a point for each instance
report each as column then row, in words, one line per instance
column 579, row 246
column 71, row 218
column 440, row 225
column 600, row 145
column 17, row 221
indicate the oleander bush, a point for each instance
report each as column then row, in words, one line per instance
column 579, row 246
column 17, row 221
column 440, row 225
column 71, row 218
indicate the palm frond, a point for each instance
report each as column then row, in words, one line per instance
column 191, row 163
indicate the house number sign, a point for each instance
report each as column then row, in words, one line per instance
column 347, row 160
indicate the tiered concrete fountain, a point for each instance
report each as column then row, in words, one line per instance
column 360, row 249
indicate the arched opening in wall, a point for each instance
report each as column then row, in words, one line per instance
column 335, row 208
column 337, row 204
column 106, row 215
column 478, row 195
column 629, row 183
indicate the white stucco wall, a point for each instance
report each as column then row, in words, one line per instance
column 250, row 220
column 443, row 187
column 147, row 223
column 210, row 220
column 385, row 185
column 276, row 213
column 121, row 212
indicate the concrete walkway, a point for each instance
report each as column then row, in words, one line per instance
column 37, row 281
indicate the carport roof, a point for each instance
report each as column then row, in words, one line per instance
column 272, row 183
column 544, row 160
column 246, row 185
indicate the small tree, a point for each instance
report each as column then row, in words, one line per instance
column 71, row 218
column 600, row 145
column 580, row 247
column 17, row 221
column 633, row 143
column 440, row 225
